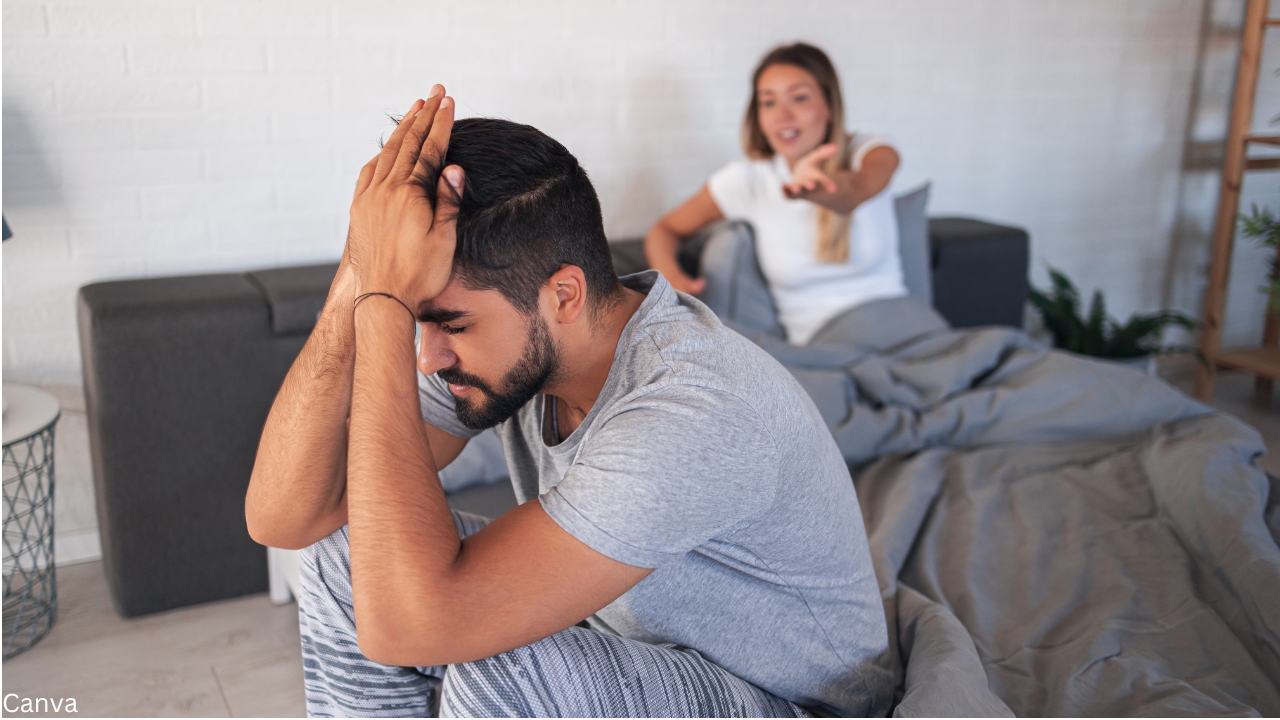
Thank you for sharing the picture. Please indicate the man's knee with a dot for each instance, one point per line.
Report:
(577, 672)
(497, 686)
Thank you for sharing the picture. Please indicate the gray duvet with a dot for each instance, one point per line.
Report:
(1053, 535)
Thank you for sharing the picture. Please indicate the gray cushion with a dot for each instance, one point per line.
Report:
(979, 271)
(913, 243)
(294, 295)
(628, 256)
(736, 289)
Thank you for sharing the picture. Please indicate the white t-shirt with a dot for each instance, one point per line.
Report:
(807, 292)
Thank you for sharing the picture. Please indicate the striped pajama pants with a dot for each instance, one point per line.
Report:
(575, 673)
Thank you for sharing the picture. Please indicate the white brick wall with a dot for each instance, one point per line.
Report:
(152, 138)
(158, 138)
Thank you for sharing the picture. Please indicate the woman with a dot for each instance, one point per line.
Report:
(817, 197)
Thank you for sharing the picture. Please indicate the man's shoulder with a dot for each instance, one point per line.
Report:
(683, 342)
(690, 354)
(680, 354)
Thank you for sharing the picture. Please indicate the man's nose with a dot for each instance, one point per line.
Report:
(434, 352)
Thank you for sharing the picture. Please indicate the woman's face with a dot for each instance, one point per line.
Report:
(792, 111)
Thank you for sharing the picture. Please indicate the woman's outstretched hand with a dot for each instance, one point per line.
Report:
(686, 284)
(808, 178)
(398, 243)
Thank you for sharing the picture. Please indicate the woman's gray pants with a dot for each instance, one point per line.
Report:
(575, 673)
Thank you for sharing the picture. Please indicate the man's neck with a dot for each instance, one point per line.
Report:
(587, 360)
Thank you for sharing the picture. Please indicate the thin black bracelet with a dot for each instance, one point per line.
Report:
(386, 295)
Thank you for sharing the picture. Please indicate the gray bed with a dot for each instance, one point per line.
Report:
(1054, 535)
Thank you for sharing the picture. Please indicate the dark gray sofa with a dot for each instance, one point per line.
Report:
(179, 374)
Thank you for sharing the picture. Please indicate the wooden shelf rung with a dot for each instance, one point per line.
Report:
(1264, 361)
(1263, 139)
(1270, 163)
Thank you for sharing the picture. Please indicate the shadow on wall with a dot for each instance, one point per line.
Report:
(30, 179)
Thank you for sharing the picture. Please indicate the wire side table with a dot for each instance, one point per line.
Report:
(30, 583)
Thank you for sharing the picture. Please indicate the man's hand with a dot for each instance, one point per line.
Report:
(808, 176)
(398, 243)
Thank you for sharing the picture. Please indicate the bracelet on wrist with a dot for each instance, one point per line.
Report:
(361, 297)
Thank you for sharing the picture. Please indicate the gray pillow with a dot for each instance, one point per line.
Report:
(913, 243)
(736, 289)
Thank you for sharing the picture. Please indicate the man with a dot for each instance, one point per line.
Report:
(680, 493)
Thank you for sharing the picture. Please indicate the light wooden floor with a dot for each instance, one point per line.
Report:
(241, 657)
(234, 658)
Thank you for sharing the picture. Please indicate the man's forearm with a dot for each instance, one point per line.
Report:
(297, 491)
(402, 534)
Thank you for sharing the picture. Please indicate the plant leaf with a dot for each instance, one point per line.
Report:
(1099, 334)
(1095, 338)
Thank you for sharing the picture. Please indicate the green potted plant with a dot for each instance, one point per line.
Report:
(1096, 334)
(1263, 227)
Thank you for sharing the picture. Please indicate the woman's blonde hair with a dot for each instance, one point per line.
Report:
(833, 227)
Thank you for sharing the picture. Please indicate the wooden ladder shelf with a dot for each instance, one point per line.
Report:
(1264, 361)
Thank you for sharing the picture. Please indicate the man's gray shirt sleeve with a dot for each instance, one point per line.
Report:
(674, 468)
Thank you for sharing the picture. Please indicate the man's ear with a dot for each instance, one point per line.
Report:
(565, 294)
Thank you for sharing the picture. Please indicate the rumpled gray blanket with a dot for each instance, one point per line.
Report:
(1053, 535)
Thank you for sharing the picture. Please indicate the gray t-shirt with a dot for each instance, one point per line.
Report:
(703, 458)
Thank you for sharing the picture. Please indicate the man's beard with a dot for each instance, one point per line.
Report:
(539, 363)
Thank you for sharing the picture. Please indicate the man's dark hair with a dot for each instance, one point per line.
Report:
(527, 210)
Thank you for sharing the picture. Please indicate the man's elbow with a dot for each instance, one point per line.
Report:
(259, 530)
(277, 522)
(276, 537)
(259, 523)
(266, 529)
(262, 532)
(381, 651)
(398, 645)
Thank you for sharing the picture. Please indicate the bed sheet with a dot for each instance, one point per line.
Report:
(1053, 535)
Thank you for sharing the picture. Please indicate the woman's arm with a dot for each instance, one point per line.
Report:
(664, 238)
(842, 191)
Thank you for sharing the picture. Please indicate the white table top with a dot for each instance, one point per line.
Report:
(27, 410)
